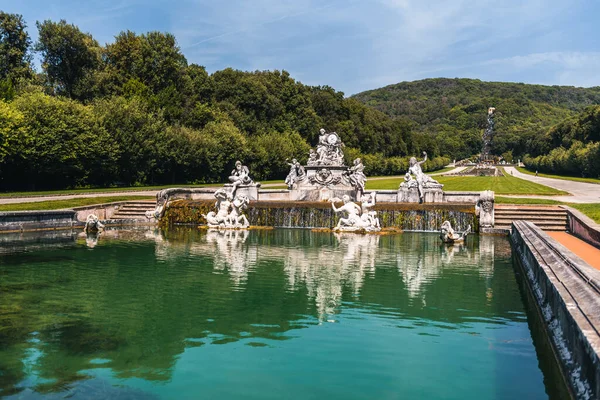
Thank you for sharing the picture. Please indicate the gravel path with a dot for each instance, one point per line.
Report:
(581, 192)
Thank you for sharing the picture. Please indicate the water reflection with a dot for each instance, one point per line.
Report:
(141, 298)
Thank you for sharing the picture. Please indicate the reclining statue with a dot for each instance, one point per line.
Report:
(358, 217)
(229, 211)
(448, 235)
(92, 224)
(422, 179)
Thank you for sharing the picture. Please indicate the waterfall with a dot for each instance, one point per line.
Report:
(408, 217)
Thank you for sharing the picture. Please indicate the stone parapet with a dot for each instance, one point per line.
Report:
(567, 292)
(36, 220)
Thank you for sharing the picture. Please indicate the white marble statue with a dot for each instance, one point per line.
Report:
(92, 224)
(448, 235)
(229, 211)
(357, 177)
(236, 218)
(368, 215)
(240, 176)
(409, 182)
(329, 150)
(357, 217)
(423, 180)
(296, 174)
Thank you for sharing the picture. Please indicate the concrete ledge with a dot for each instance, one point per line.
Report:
(582, 226)
(36, 220)
(567, 292)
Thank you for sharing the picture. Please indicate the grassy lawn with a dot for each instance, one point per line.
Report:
(112, 189)
(516, 200)
(591, 210)
(566, 178)
(68, 203)
(441, 171)
(501, 185)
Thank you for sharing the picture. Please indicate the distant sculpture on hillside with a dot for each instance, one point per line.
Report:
(240, 176)
(229, 211)
(423, 180)
(296, 174)
(357, 218)
(449, 236)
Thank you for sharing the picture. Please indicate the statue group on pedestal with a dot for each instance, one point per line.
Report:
(229, 212)
(329, 150)
(358, 217)
(421, 181)
(240, 176)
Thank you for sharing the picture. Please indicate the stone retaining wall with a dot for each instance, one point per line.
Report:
(567, 291)
(583, 227)
(37, 220)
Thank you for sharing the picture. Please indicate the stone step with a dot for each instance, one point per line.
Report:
(130, 212)
(120, 216)
(543, 227)
(530, 211)
(504, 215)
(528, 216)
(538, 222)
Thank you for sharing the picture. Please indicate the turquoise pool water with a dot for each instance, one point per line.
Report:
(268, 315)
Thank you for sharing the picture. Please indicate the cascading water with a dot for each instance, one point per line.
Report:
(320, 215)
(488, 136)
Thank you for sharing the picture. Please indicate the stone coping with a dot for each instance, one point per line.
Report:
(567, 291)
(583, 226)
(32, 213)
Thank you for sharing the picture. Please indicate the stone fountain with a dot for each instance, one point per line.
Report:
(312, 192)
(325, 176)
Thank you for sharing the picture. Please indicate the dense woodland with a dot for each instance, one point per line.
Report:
(553, 128)
(135, 112)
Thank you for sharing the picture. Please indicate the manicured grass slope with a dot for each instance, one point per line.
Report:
(591, 210)
(68, 203)
(500, 185)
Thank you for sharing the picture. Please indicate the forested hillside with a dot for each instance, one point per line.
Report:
(134, 111)
(452, 113)
(575, 146)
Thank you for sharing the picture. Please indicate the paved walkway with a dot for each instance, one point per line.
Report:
(34, 199)
(581, 192)
(583, 250)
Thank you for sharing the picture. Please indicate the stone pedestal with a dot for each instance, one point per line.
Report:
(408, 195)
(250, 191)
(322, 194)
(431, 194)
(485, 209)
(323, 183)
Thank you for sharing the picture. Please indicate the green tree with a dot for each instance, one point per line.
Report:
(15, 57)
(60, 144)
(69, 57)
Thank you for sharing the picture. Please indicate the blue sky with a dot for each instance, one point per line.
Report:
(355, 45)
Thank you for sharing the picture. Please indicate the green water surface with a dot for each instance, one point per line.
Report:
(280, 314)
